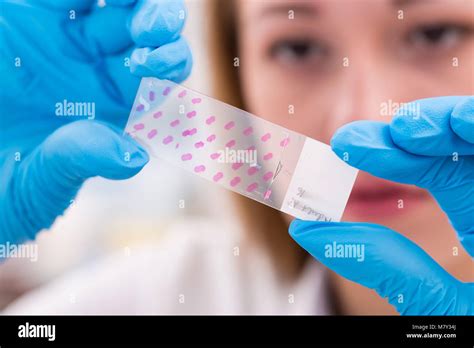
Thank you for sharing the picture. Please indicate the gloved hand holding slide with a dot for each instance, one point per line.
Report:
(246, 154)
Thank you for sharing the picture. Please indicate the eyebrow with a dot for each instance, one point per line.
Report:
(283, 9)
(408, 2)
(311, 9)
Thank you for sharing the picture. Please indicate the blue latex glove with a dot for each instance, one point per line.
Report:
(410, 151)
(74, 50)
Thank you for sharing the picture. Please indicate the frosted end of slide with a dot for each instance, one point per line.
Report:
(263, 161)
(320, 185)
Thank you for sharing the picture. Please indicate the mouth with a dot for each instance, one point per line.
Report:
(373, 198)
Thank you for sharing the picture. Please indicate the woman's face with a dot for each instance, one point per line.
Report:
(338, 61)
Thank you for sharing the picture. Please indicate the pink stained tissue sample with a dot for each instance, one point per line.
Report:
(216, 134)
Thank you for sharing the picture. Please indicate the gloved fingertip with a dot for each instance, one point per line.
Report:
(299, 227)
(186, 70)
(134, 156)
(462, 119)
(296, 226)
(340, 139)
(336, 137)
(340, 146)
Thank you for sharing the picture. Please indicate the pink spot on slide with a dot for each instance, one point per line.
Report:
(196, 100)
(268, 156)
(186, 157)
(140, 107)
(266, 137)
(199, 144)
(210, 120)
(167, 140)
(189, 132)
(177, 145)
(229, 125)
(267, 194)
(218, 176)
(211, 138)
(230, 143)
(139, 126)
(252, 187)
(248, 131)
(151, 96)
(191, 114)
(235, 181)
(166, 91)
(200, 168)
(215, 155)
(152, 133)
(236, 166)
(174, 123)
(157, 114)
(267, 176)
(284, 142)
(182, 94)
(251, 148)
(252, 170)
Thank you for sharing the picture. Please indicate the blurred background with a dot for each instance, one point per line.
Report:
(141, 207)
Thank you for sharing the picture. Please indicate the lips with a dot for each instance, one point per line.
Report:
(373, 198)
(378, 193)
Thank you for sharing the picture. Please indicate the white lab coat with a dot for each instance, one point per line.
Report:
(195, 269)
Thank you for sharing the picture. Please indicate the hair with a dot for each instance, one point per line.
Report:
(268, 227)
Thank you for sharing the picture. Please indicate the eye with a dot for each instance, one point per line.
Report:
(296, 50)
(437, 35)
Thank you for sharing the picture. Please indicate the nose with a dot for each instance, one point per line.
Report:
(368, 90)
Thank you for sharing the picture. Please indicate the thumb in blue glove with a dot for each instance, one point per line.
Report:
(47, 179)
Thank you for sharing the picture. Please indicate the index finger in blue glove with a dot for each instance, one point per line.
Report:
(389, 263)
(368, 145)
(103, 31)
(440, 126)
(170, 62)
(154, 23)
